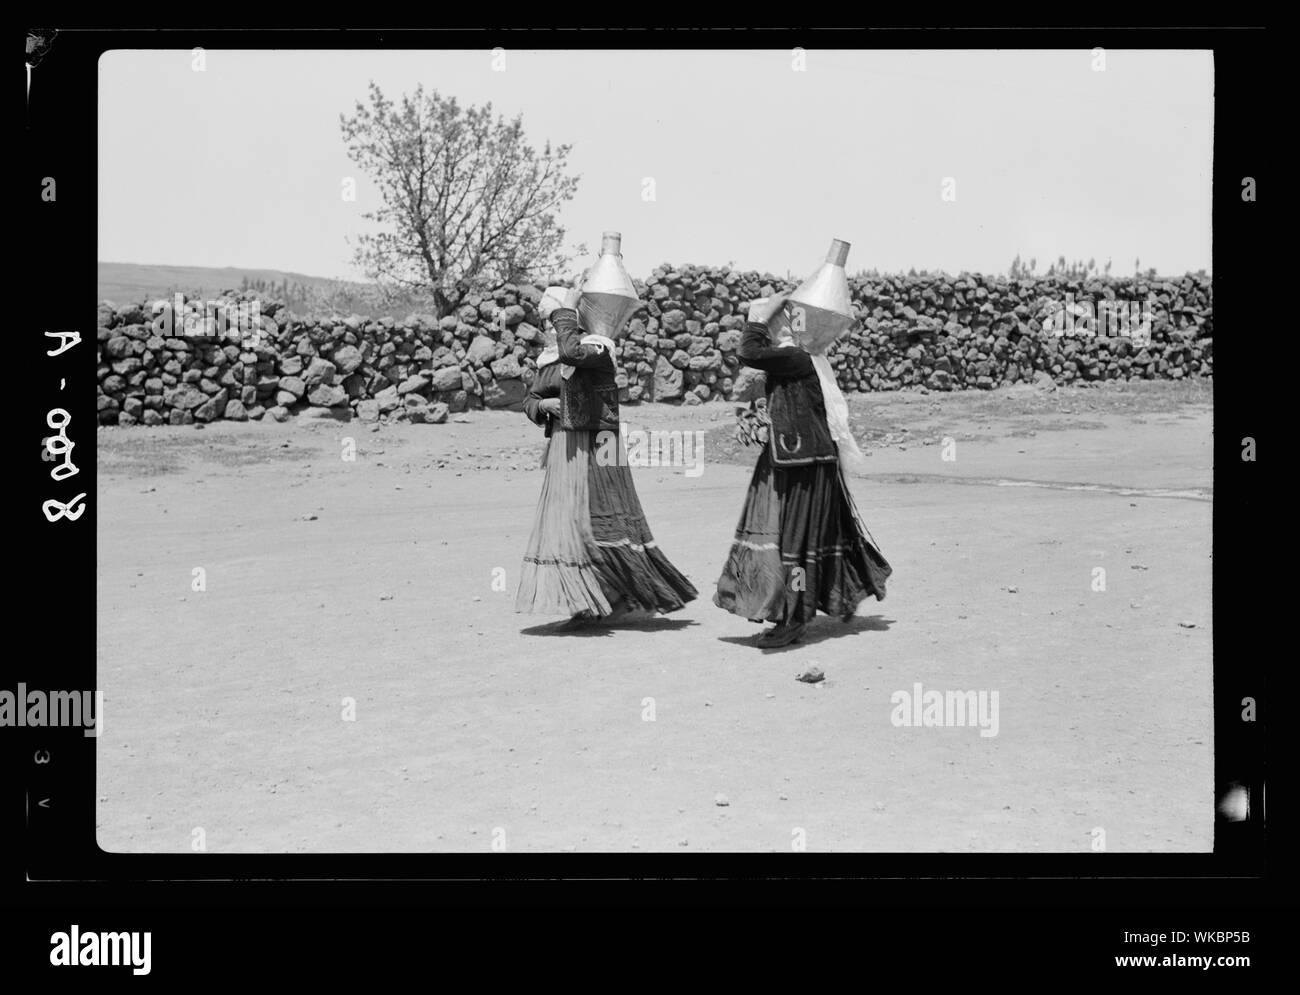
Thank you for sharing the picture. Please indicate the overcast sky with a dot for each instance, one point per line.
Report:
(753, 163)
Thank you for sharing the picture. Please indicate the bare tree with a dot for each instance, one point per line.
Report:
(468, 204)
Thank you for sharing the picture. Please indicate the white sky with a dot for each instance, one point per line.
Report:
(754, 163)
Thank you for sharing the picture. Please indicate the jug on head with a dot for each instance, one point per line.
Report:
(819, 310)
(608, 296)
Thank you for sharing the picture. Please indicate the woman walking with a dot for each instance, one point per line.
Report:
(559, 575)
(800, 546)
(591, 555)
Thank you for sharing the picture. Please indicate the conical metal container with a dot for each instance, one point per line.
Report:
(608, 295)
(820, 310)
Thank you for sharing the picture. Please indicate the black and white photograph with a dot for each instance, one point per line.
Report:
(617, 450)
(601, 455)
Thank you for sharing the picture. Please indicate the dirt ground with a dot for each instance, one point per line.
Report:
(378, 580)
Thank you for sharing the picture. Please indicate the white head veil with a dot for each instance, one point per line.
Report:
(837, 409)
(837, 417)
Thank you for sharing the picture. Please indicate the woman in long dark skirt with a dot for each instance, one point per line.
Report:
(800, 546)
(591, 554)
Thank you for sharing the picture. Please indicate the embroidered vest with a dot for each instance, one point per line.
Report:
(798, 434)
(589, 399)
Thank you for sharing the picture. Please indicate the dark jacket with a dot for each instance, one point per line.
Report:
(798, 434)
(589, 393)
(546, 383)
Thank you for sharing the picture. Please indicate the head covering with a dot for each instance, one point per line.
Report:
(837, 417)
(553, 296)
(819, 310)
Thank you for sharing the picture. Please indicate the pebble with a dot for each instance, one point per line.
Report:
(721, 800)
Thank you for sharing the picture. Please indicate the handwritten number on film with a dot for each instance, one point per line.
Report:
(60, 446)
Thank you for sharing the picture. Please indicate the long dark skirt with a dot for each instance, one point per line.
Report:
(591, 549)
(800, 548)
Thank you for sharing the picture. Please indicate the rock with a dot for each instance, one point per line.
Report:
(347, 359)
(721, 800)
(185, 396)
(748, 385)
(506, 369)
(446, 378)
(339, 412)
(668, 381)
(481, 351)
(212, 408)
(729, 341)
(810, 675)
(413, 385)
(318, 371)
(118, 348)
(235, 411)
(674, 321)
(505, 394)
(279, 413)
(129, 314)
(326, 396)
(293, 386)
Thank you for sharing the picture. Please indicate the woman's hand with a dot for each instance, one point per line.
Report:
(762, 310)
(549, 406)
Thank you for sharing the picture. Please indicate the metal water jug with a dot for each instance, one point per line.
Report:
(608, 295)
(819, 310)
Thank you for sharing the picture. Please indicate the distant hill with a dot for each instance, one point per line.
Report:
(123, 283)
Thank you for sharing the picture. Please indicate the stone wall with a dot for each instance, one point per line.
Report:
(243, 360)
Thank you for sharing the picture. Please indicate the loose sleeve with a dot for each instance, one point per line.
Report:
(755, 351)
(543, 386)
(568, 336)
(533, 402)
